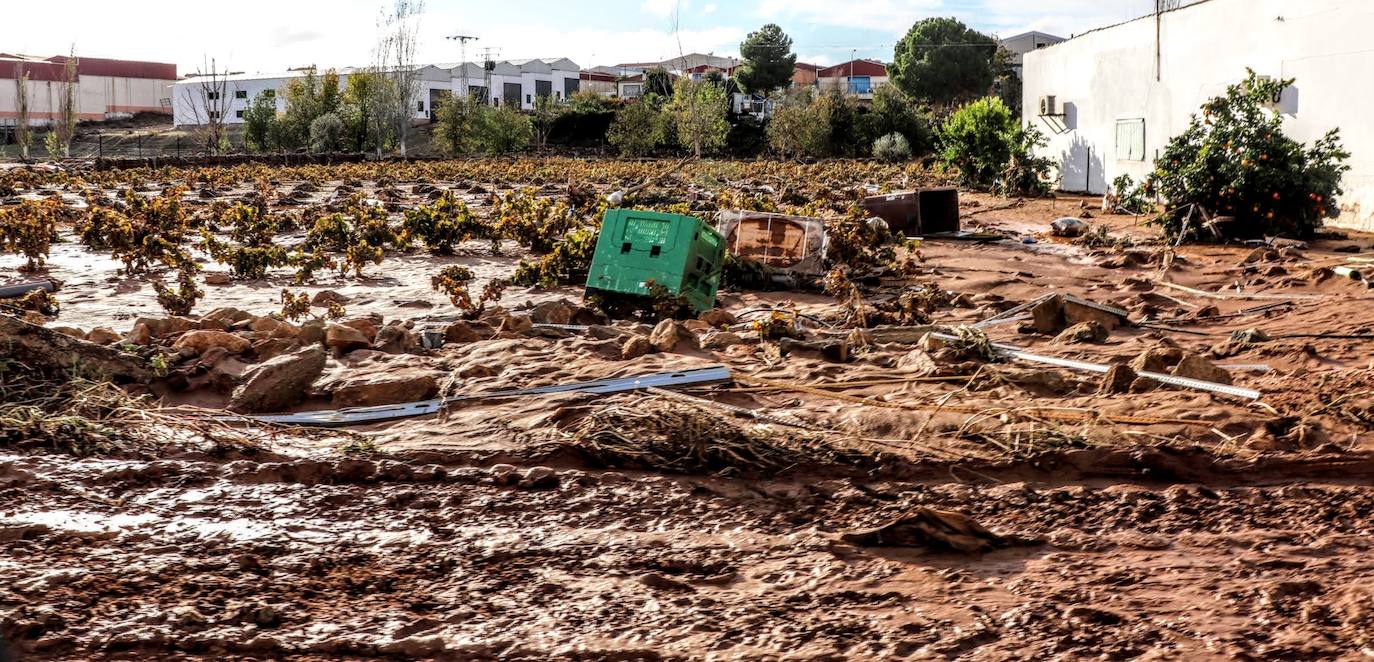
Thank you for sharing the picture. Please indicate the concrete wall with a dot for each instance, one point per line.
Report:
(1103, 77)
(98, 98)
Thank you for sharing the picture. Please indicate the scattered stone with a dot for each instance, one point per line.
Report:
(325, 297)
(836, 351)
(280, 382)
(219, 278)
(721, 340)
(223, 318)
(539, 478)
(553, 312)
(635, 347)
(460, 333)
(70, 332)
(101, 335)
(668, 334)
(717, 317)
(140, 335)
(203, 339)
(343, 339)
(274, 347)
(384, 389)
(1083, 332)
(1157, 359)
(918, 361)
(311, 331)
(366, 325)
(1118, 379)
(1068, 227)
(938, 530)
(272, 327)
(394, 339)
(1193, 366)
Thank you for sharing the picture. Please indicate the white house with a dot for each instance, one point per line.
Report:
(515, 83)
(1110, 100)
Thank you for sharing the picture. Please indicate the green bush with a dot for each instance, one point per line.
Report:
(894, 112)
(978, 139)
(1025, 173)
(260, 130)
(503, 130)
(1234, 160)
(638, 128)
(797, 128)
(892, 148)
(455, 120)
(326, 133)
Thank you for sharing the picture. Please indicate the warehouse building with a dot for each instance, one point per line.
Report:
(105, 88)
(512, 82)
(1111, 99)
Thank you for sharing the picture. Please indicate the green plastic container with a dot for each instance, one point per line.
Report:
(680, 253)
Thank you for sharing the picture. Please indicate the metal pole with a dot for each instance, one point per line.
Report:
(100, 145)
(140, 145)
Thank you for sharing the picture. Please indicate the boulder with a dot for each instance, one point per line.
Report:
(1068, 227)
(101, 335)
(1077, 313)
(1193, 366)
(311, 332)
(280, 382)
(1083, 332)
(553, 312)
(70, 332)
(325, 297)
(384, 388)
(717, 317)
(1118, 379)
(223, 318)
(1157, 359)
(635, 347)
(366, 325)
(200, 340)
(43, 349)
(140, 335)
(227, 374)
(721, 340)
(394, 339)
(271, 327)
(274, 347)
(669, 334)
(460, 333)
(343, 339)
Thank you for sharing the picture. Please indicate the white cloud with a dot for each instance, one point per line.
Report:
(820, 59)
(709, 8)
(663, 8)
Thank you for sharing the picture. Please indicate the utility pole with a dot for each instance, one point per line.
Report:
(489, 56)
(463, 40)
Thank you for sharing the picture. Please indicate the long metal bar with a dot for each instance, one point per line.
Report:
(365, 415)
(11, 291)
(1099, 368)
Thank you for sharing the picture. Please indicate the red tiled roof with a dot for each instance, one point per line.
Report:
(854, 68)
(53, 68)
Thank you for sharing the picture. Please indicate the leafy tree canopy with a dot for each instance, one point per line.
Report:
(768, 60)
(941, 60)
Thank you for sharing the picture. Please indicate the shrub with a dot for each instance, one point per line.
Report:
(183, 299)
(361, 233)
(326, 133)
(797, 128)
(638, 128)
(455, 119)
(568, 259)
(748, 137)
(1127, 198)
(978, 140)
(30, 230)
(1234, 160)
(1025, 173)
(698, 111)
(153, 231)
(894, 112)
(446, 222)
(260, 126)
(453, 281)
(503, 130)
(252, 249)
(892, 148)
(841, 115)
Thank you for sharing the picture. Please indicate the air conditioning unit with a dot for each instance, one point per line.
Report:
(1049, 106)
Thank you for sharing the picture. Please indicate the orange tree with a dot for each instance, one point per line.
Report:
(1234, 160)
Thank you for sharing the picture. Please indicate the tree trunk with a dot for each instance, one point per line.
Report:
(43, 350)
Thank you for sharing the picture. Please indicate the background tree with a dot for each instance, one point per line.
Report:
(260, 130)
(303, 104)
(23, 129)
(503, 130)
(396, 51)
(455, 119)
(658, 82)
(768, 60)
(892, 111)
(637, 129)
(941, 60)
(65, 128)
(544, 117)
(698, 110)
(797, 128)
(207, 104)
(326, 133)
(1006, 82)
(366, 100)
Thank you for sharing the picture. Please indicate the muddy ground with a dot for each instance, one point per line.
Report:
(1232, 530)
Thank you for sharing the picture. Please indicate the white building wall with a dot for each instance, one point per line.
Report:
(1109, 75)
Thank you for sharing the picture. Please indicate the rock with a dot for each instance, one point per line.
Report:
(343, 339)
(1193, 366)
(1068, 227)
(222, 318)
(39, 348)
(366, 325)
(1048, 315)
(918, 361)
(140, 335)
(1077, 313)
(70, 332)
(1118, 379)
(384, 388)
(717, 317)
(635, 347)
(272, 327)
(539, 478)
(937, 530)
(1083, 332)
(517, 324)
(280, 382)
(477, 371)
(460, 333)
(697, 327)
(203, 339)
(274, 347)
(311, 332)
(721, 340)
(553, 312)
(1157, 359)
(394, 339)
(102, 335)
(668, 334)
(325, 297)
(219, 278)
(227, 374)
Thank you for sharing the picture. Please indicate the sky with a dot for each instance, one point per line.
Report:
(264, 36)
